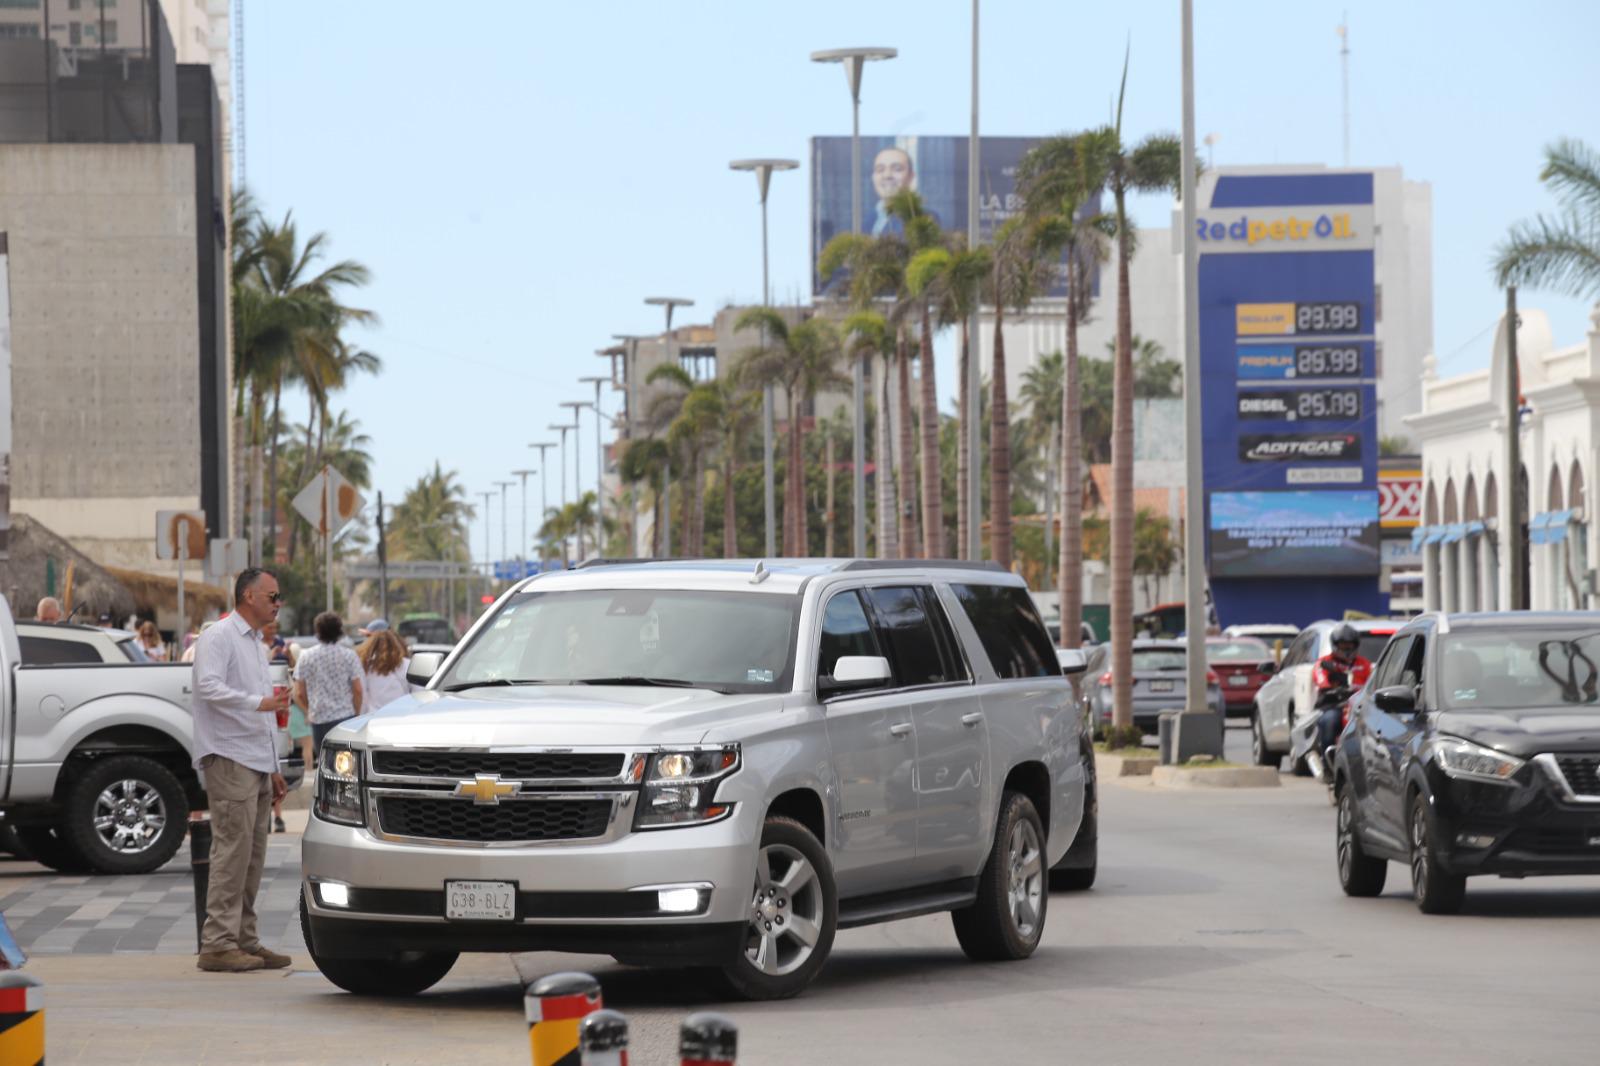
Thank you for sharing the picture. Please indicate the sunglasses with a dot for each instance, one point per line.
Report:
(274, 597)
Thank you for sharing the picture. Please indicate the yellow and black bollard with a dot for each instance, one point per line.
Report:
(603, 1039)
(21, 1019)
(555, 1005)
(708, 1039)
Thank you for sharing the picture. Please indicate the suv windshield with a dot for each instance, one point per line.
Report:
(1511, 668)
(728, 641)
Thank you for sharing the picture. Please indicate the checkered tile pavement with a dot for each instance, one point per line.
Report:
(54, 914)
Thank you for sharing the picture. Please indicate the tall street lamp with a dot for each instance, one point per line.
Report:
(630, 358)
(598, 380)
(522, 549)
(763, 168)
(564, 431)
(853, 60)
(667, 302)
(504, 508)
(488, 552)
(577, 460)
(544, 485)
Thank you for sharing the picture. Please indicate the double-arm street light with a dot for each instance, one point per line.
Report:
(522, 549)
(630, 359)
(667, 302)
(853, 60)
(577, 460)
(763, 168)
(565, 429)
(488, 552)
(544, 485)
(598, 380)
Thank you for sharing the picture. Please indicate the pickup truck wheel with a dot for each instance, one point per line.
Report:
(124, 815)
(45, 846)
(405, 974)
(1007, 919)
(793, 914)
(1260, 754)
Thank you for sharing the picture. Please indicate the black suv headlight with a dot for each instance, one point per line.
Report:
(680, 787)
(339, 786)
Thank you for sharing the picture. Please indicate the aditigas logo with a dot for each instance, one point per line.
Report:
(1270, 448)
(1324, 227)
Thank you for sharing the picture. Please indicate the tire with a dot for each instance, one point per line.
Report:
(141, 809)
(1007, 919)
(1435, 891)
(12, 844)
(45, 846)
(406, 974)
(794, 901)
(1260, 754)
(1359, 873)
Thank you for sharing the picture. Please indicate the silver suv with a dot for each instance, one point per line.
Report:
(709, 763)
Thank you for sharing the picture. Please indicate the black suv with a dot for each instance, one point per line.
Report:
(1474, 749)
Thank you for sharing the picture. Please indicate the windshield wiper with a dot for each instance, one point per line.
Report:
(654, 682)
(495, 682)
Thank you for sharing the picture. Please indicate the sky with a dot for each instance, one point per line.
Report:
(519, 177)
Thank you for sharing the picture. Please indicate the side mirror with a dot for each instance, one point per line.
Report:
(1268, 668)
(1396, 699)
(852, 673)
(1073, 660)
(423, 666)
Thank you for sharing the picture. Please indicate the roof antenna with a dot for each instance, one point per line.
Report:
(761, 573)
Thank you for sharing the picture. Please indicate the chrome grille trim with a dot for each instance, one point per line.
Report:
(1552, 766)
(632, 767)
(617, 824)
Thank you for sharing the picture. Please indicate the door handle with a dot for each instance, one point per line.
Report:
(900, 729)
(972, 719)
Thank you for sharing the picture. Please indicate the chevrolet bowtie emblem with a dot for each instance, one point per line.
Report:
(486, 790)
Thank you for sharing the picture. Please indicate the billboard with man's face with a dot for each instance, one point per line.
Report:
(935, 167)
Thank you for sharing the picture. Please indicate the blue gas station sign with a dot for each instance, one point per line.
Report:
(1288, 395)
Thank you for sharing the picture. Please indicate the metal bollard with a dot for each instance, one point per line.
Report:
(603, 1039)
(555, 1005)
(200, 863)
(708, 1039)
(21, 1019)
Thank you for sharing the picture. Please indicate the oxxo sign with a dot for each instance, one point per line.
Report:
(1287, 229)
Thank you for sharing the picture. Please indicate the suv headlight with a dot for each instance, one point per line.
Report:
(680, 787)
(339, 785)
(1462, 758)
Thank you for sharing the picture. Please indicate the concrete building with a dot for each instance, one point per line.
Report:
(1466, 491)
(112, 193)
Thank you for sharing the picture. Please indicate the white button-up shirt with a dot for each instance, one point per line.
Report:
(230, 680)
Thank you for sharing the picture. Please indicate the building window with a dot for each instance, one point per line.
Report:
(72, 5)
(14, 31)
(22, 5)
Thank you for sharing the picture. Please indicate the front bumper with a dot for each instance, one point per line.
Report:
(577, 896)
(1522, 829)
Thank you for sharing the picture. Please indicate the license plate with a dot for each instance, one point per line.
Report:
(482, 901)
(1161, 686)
(1239, 680)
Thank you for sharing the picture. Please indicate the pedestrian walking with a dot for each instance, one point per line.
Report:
(235, 748)
(327, 682)
(150, 642)
(383, 667)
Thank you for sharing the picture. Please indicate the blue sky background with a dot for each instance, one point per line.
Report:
(520, 176)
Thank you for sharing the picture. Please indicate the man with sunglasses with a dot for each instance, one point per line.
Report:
(235, 748)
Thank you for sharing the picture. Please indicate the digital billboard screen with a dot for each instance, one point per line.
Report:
(1321, 532)
(936, 167)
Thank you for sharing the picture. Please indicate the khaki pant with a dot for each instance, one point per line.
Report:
(241, 817)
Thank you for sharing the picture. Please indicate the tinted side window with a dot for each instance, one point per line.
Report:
(46, 651)
(1387, 672)
(845, 631)
(955, 665)
(912, 645)
(1411, 673)
(1010, 630)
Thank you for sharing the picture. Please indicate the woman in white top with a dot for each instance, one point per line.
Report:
(150, 642)
(384, 663)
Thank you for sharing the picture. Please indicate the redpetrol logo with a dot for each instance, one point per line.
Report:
(1278, 228)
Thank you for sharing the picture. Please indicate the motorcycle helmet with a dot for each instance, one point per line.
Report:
(1345, 634)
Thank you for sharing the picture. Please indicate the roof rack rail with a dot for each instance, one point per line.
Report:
(587, 563)
(923, 564)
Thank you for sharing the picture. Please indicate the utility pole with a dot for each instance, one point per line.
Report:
(383, 564)
(974, 408)
(544, 486)
(487, 551)
(1511, 535)
(522, 549)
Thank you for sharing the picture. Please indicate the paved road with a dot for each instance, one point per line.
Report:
(1216, 934)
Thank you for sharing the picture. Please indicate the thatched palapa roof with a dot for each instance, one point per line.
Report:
(22, 577)
(160, 592)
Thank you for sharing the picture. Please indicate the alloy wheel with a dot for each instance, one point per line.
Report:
(786, 914)
(1419, 850)
(129, 816)
(1345, 835)
(1024, 878)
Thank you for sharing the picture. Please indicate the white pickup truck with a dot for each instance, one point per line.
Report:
(95, 750)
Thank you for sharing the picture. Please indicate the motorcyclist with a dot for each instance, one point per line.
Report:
(1343, 668)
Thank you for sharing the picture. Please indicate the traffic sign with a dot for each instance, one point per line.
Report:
(329, 502)
(227, 556)
(181, 533)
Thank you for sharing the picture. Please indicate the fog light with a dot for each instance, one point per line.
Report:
(678, 900)
(1474, 840)
(333, 894)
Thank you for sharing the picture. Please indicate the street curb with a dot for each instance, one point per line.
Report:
(1116, 766)
(1184, 777)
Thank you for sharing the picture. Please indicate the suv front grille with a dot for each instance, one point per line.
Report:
(509, 822)
(1582, 773)
(511, 766)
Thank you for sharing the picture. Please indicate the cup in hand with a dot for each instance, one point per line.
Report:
(279, 672)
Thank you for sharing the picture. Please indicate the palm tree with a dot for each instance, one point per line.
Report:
(430, 522)
(1560, 252)
(731, 410)
(644, 461)
(1060, 178)
(660, 415)
(805, 358)
(867, 335)
(924, 236)
(681, 415)
(1043, 384)
(1152, 165)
